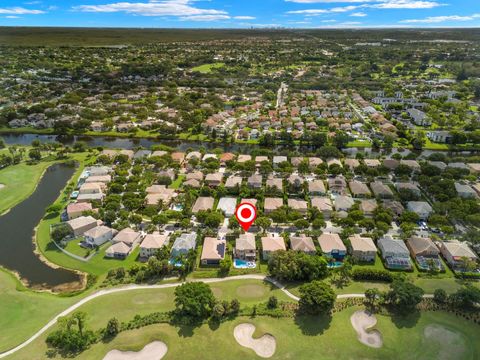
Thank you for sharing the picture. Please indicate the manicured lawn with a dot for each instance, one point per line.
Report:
(208, 68)
(74, 248)
(359, 144)
(22, 312)
(178, 181)
(20, 181)
(301, 338)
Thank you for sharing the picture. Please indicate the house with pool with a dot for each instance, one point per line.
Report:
(245, 252)
(333, 248)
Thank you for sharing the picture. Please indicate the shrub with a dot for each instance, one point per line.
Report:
(360, 274)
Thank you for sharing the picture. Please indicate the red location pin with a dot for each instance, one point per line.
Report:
(246, 214)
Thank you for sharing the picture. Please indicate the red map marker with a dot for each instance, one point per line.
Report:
(246, 214)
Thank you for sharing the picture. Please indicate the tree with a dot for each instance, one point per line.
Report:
(316, 297)
(272, 302)
(72, 337)
(440, 296)
(225, 265)
(466, 297)
(195, 300)
(296, 266)
(263, 222)
(218, 311)
(467, 264)
(404, 295)
(113, 327)
(60, 232)
(35, 154)
(372, 296)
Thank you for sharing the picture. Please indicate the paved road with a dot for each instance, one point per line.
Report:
(160, 286)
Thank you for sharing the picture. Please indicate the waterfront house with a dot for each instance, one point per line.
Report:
(82, 223)
(76, 210)
(98, 235)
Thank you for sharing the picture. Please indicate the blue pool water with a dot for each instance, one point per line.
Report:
(335, 264)
(176, 264)
(243, 264)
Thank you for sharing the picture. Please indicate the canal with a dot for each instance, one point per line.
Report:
(17, 229)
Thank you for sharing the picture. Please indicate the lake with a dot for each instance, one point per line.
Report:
(17, 229)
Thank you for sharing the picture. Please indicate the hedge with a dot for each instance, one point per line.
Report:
(372, 275)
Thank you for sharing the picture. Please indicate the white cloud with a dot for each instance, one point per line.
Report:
(20, 11)
(328, 21)
(205, 17)
(379, 4)
(440, 19)
(12, 17)
(324, 11)
(244, 17)
(152, 8)
(405, 4)
(358, 14)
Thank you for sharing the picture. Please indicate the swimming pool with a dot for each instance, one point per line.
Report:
(335, 264)
(243, 264)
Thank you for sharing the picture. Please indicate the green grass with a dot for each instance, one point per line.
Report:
(22, 312)
(359, 144)
(20, 181)
(74, 248)
(178, 181)
(208, 68)
(300, 338)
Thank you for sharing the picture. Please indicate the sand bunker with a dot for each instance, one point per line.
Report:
(154, 351)
(362, 322)
(1, 186)
(263, 347)
(449, 343)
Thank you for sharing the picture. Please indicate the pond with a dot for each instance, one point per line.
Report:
(17, 229)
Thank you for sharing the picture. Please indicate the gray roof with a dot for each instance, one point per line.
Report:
(185, 242)
(397, 247)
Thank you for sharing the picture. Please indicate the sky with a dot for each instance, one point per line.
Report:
(241, 13)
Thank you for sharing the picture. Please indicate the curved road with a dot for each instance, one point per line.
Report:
(160, 286)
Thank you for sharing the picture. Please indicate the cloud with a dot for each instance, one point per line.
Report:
(205, 17)
(324, 11)
(440, 19)
(405, 4)
(378, 4)
(358, 14)
(20, 11)
(181, 8)
(328, 21)
(12, 17)
(244, 17)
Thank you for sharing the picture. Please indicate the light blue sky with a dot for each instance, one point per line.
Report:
(241, 13)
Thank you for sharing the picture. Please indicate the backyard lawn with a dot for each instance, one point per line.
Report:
(300, 338)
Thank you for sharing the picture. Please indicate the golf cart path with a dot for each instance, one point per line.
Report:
(159, 286)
